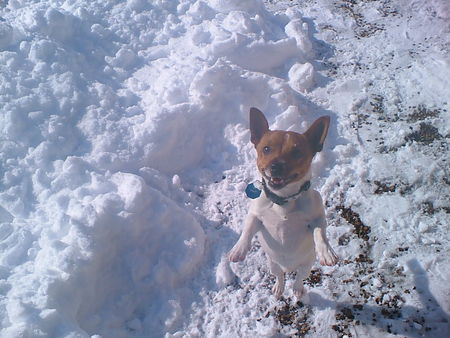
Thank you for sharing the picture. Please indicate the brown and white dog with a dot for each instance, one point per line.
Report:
(288, 217)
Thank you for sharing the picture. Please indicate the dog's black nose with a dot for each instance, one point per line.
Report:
(277, 168)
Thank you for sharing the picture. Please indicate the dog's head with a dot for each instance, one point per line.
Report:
(285, 157)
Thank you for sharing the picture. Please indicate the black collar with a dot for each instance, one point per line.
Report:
(283, 200)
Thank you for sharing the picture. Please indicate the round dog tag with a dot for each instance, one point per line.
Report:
(252, 192)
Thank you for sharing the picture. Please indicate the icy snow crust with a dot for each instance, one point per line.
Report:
(125, 152)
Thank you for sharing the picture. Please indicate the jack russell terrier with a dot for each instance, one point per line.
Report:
(287, 215)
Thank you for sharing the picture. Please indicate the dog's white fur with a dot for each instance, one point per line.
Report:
(291, 235)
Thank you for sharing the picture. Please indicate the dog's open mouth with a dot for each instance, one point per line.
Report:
(280, 182)
(276, 181)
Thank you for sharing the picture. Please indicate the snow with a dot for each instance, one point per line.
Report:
(125, 154)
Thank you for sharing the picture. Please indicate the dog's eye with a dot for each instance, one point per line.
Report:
(267, 150)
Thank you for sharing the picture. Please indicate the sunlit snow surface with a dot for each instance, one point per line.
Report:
(125, 152)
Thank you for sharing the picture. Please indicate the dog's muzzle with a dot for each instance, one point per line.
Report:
(277, 169)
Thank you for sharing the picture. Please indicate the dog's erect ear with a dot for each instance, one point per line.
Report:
(258, 125)
(317, 133)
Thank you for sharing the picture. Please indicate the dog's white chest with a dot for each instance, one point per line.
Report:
(284, 226)
(296, 212)
(286, 235)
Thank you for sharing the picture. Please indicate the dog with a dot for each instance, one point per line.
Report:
(288, 217)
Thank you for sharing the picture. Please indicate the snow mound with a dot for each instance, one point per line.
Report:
(104, 103)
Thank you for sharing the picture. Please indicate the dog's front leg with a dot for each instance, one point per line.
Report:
(324, 251)
(251, 227)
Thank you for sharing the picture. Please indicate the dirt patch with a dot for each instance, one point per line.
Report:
(294, 316)
(345, 313)
(426, 134)
(314, 278)
(421, 113)
(360, 229)
(429, 209)
(384, 187)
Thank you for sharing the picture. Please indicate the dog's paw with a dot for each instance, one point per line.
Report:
(299, 292)
(278, 289)
(327, 256)
(238, 252)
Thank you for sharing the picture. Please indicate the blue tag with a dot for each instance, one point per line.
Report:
(252, 192)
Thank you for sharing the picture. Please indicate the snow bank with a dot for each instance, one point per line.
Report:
(103, 103)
